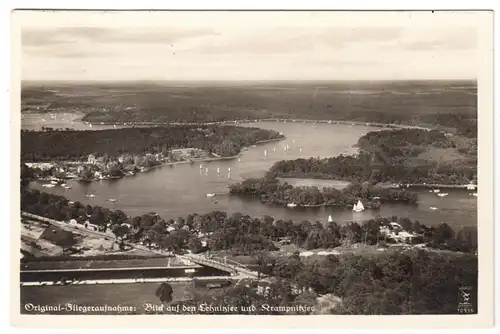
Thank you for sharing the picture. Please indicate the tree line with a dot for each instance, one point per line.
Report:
(387, 156)
(389, 283)
(238, 233)
(77, 145)
(273, 191)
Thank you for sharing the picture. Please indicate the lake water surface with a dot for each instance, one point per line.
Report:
(180, 190)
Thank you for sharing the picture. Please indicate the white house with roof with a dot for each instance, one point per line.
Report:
(91, 226)
(92, 159)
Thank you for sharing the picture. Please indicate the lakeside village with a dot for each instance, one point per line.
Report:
(105, 168)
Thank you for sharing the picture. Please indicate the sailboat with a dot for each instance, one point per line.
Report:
(358, 207)
(291, 205)
(218, 170)
(330, 219)
(265, 153)
(206, 170)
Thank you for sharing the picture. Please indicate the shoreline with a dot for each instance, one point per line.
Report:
(192, 161)
(284, 120)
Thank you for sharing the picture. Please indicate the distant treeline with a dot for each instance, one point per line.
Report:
(387, 156)
(447, 104)
(77, 145)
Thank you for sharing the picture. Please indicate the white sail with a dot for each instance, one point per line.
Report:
(218, 170)
(330, 219)
(358, 207)
(265, 153)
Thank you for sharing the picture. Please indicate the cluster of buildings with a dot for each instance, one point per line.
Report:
(395, 232)
(182, 154)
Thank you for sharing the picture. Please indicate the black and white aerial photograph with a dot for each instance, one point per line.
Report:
(252, 163)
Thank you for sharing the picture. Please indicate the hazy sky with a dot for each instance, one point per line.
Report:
(248, 46)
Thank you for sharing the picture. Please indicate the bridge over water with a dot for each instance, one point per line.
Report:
(191, 261)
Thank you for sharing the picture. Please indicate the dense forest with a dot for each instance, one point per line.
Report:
(77, 145)
(413, 103)
(272, 191)
(389, 156)
(238, 233)
(390, 283)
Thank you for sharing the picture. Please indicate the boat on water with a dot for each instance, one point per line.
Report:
(210, 195)
(90, 196)
(53, 182)
(433, 208)
(49, 185)
(291, 205)
(442, 194)
(112, 200)
(471, 186)
(474, 194)
(436, 190)
(67, 187)
(330, 219)
(218, 170)
(358, 207)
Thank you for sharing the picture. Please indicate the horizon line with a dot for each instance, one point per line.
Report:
(24, 81)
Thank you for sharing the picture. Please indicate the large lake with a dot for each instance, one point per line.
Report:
(180, 190)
